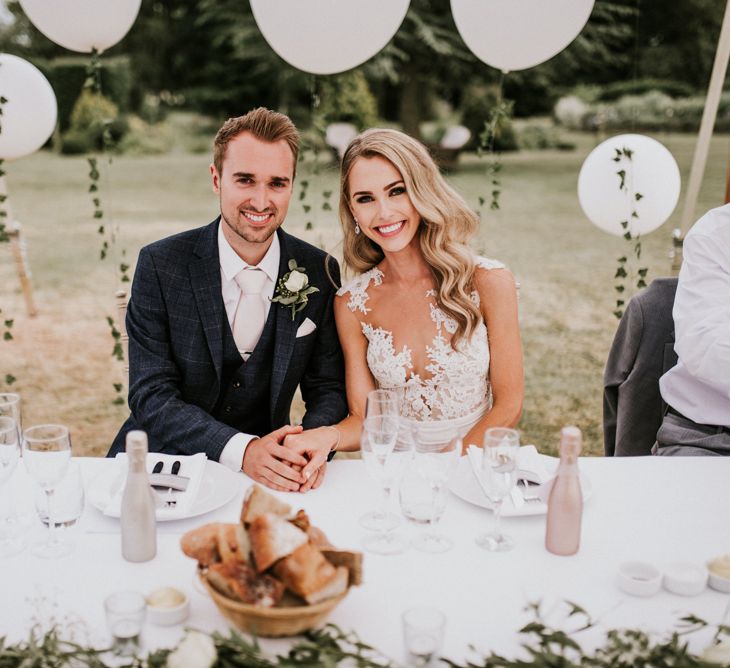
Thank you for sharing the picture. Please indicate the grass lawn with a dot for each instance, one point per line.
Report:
(62, 358)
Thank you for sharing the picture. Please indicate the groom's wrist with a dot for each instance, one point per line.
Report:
(235, 450)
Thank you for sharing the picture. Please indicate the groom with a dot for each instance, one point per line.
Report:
(214, 362)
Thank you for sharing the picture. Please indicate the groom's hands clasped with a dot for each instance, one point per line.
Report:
(269, 462)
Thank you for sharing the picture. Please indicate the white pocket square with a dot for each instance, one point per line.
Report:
(307, 327)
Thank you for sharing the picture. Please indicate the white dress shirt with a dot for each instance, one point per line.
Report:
(699, 385)
(231, 264)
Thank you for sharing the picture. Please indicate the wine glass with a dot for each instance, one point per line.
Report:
(9, 455)
(379, 436)
(435, 458)
(497, 477)
(46, 453)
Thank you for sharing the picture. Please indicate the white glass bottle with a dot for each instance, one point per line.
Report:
(139, 527)
(565, 503)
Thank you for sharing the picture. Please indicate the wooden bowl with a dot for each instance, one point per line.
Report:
(289, 619)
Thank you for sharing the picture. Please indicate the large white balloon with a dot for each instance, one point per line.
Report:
(652, 172)
(328, 36)
(29, 115)
(82, 25)
(517, 34)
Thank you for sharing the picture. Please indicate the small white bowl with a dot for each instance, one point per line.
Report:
(685, 578)
(719, 583)
(168, 615)
(639, 578)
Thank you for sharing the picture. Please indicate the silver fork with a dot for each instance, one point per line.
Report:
(530, 498)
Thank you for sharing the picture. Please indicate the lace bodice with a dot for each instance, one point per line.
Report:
(455, 382)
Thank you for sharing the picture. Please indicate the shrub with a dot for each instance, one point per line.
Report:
(147, 139)
(476, 109)
(542, 137)
(347, 98)
(614, 91)
(67, 76)
(654, 111)
(91, 116)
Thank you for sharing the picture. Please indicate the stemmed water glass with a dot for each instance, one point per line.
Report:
(9, 455)
(46, 453)
(497, 476)
(379, 436)
(386, 468)
(435, 459)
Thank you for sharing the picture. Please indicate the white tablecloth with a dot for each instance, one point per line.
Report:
(655, 509)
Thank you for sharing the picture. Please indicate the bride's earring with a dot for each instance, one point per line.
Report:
(357, 227)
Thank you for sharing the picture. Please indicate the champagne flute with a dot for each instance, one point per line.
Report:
(9, 455)
(385, 464)
(46, 453)
(435, 459)
(497, 477)
(380, 433)
(10, 407)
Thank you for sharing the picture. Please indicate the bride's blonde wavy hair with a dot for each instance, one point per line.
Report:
(447, 222)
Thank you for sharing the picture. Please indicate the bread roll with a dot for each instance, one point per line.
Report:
(202, 543)
(233, 544)
(257, 502)
(305, 570)
(273, 538)
(336, 586)
(241, 583)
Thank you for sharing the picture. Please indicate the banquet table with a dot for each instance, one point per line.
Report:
(655, 509)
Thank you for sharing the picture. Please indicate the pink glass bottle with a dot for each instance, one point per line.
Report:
(565, 503)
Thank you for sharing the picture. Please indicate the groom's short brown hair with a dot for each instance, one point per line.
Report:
(263, 124)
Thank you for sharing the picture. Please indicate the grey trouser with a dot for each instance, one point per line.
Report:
(681, 436)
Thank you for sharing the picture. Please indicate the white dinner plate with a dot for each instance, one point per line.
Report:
(218, 486)
(464, 485)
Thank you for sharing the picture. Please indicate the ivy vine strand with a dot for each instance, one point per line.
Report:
(624, 271)
(105, 229)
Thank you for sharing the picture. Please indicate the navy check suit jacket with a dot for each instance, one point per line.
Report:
(175, 322)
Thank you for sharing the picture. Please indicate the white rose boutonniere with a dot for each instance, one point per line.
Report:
(196, 650)
(293, 289)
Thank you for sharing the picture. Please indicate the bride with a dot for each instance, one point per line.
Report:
(424, 316)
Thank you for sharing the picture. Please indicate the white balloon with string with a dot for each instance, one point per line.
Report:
(82, 25)
(328, 36)
(29, 113)
(652, 172)
(518, 34)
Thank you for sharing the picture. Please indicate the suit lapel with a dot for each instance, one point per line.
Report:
(205, 279)
(285, 334)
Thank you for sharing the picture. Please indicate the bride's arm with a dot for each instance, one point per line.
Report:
(317, 443)
(498, 299)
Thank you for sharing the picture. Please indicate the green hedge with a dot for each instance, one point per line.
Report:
(67, 75)
(653, 111)
(618, 89)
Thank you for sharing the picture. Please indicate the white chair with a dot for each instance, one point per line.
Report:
(338, 137)
(456, 137)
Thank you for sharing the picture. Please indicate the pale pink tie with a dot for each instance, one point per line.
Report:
(248, 323)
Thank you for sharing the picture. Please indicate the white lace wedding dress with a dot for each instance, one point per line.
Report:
(452, 390)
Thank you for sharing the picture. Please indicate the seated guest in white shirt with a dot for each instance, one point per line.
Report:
(697, 389)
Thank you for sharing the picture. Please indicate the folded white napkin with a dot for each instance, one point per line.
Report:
(531, 466)
(191, 467)
(534, 467)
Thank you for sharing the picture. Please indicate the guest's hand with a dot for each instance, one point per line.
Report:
(267, 461)
(315, 445)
